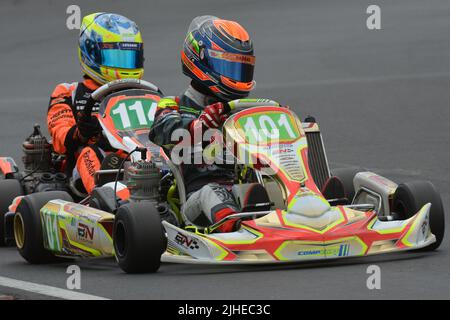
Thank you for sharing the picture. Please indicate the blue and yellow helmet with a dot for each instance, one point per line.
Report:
(110, 48)
(218, 54)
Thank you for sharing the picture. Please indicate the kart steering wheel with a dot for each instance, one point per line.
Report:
(117, 85)
(235, 106)
(238, 105)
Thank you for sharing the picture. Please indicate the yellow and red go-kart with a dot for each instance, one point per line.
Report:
(306, 217)
(300, 211)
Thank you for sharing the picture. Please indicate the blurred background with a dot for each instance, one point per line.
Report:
(367, 88)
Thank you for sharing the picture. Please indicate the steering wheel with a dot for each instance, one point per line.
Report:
(235, 106)
(116, 85)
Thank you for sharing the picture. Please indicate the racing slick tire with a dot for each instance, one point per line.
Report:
(28, 228)
(9, 190)
(410, 197)
(139, 238)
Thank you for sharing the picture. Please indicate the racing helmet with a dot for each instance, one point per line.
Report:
(110, 48)
(218, 54)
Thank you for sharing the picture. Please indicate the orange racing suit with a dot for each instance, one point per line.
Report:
(66, 104)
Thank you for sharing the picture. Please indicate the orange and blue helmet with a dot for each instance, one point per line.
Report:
(218, 54)
(110, 48)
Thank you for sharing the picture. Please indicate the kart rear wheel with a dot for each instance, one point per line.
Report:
(28, 228)
(139, 238)
(9, 190)
(410, 197)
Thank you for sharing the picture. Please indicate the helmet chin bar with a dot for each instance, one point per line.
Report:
(92, 75)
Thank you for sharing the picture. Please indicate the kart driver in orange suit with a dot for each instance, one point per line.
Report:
(110, 48)
(218, 56)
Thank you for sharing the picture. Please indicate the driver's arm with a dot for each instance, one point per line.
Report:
(61, 121)
(168, 119)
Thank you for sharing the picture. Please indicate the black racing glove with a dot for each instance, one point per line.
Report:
(88, 127)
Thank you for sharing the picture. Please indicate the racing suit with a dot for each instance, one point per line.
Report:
(83, 158)
(209, 198)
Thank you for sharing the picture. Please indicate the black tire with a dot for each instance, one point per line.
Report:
(139, 238)
(410, 197)
(9, 189)
(28, 227)
(345, 176)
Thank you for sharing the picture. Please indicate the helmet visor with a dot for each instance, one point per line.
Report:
(238, 67)
(123, 55)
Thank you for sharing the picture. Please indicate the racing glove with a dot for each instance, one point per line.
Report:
(213, 116)
(88, 127)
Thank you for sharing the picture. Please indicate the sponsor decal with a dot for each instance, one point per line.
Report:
(424, 227)
(89, 163)
(62, 114)
(80, 104)
(383, 181)
(82, 212)
(232, 57)
(185, 241)
(339, 251)
(120, 45)
(85, 232)
(51, 231)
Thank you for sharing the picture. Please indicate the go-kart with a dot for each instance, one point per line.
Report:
(300, 211)
(42, 236)
(305, 217)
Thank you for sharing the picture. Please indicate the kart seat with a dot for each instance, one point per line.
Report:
(252, 197)
(334, 190)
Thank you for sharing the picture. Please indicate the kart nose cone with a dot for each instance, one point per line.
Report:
(308, 204)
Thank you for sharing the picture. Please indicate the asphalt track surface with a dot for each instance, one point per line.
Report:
(382, 99)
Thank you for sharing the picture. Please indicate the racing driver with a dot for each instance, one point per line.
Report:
(218, 57)
(110, 47)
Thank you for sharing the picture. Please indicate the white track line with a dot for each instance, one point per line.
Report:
(47, 290)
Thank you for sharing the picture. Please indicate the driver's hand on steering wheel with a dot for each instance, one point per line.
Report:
(88, 127)
(214, 115)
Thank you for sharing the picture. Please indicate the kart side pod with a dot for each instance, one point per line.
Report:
(371, 188)
(76, 230)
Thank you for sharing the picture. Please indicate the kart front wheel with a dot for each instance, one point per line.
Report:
(410, 197)
(28, 227)
(139, 238)
(9, 190)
